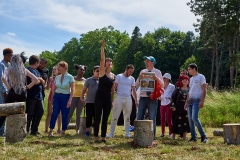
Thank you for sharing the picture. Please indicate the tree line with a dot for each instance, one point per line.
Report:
(215, 50)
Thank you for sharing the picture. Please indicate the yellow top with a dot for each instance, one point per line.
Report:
(78, 85)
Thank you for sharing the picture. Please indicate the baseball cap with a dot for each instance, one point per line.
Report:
(151, 58)
(167, 75)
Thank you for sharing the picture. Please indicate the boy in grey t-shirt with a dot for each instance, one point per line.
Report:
(196, 97)
(91, 86)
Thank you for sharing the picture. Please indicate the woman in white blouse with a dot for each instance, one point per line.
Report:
(165, 111)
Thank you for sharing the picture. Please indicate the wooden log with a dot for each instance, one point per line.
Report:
(218, 133)
(82, 129)
(12, 108)
(231, 133)
(71, 126)
(143, 133)
(16, 128)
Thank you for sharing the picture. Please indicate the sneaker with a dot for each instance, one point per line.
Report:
(110, 135)
(128, 135)
(131, 128)
(162, 135)
(171, 136)
(87, 134)
(204, 139)
(192, 140)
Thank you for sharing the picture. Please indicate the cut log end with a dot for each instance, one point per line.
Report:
(143, 133)
(231, 133)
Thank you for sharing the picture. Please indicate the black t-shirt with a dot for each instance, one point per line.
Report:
(37, 90)
(44, 73)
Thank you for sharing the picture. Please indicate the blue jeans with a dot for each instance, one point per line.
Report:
(147, 103)
(2, 129)
(60, 104)
(193, 111)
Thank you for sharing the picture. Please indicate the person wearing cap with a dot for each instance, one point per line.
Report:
(165, 111)
(145, 102)
(7, 55)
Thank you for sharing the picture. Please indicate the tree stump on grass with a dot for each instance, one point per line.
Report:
(218, 133)
(71, 126)
(143, 133)
(231, 133)
(16, 128)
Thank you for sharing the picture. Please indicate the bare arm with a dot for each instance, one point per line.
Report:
(102, 62)
(134, 94)
(82, 94)
(5, 83)
(114, 86)
(204, 91)
(49, 83)
(33, 78)
(71, 95)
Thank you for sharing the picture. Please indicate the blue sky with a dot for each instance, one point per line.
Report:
(37, 25)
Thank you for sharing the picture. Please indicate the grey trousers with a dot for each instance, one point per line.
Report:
(76, 103)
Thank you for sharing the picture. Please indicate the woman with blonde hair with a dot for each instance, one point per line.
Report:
(14, 79)
(63, 89)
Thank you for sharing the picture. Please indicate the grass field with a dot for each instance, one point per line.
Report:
(219, 108)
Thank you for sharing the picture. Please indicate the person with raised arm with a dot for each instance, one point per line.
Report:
(104, 95)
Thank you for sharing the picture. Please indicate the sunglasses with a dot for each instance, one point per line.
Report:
(97, 71)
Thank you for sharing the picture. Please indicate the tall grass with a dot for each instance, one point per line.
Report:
(220, 108)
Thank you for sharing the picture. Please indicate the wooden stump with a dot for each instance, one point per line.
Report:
(218, 133)
(71, 126)
(82, 129)
(16, 128)
(231, 133)
(143, 133)
(11, 108)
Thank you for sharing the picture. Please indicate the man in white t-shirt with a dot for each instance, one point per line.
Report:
(125, 85)
(196, 97)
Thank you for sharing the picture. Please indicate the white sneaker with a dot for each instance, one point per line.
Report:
(171, 136)
(128, 135)
(110, 135)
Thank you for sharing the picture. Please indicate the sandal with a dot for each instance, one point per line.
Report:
(50, 134)
(59, 132)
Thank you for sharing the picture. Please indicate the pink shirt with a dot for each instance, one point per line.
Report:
(51, 81)
(158, 75)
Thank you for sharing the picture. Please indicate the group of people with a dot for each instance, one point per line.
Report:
(180, 103)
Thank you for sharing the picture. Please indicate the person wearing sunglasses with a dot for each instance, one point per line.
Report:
(91, 86)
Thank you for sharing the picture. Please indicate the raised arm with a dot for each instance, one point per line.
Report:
(102, 62)
(33, 78)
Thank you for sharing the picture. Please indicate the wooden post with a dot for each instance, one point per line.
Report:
(11, 108)
(16, 128)
(143, 133)
(231, 133)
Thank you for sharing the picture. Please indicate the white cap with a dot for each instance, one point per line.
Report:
(167, 75)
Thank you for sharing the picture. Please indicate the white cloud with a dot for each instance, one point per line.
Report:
(11, 34)
(82, 16)
(18, 46)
